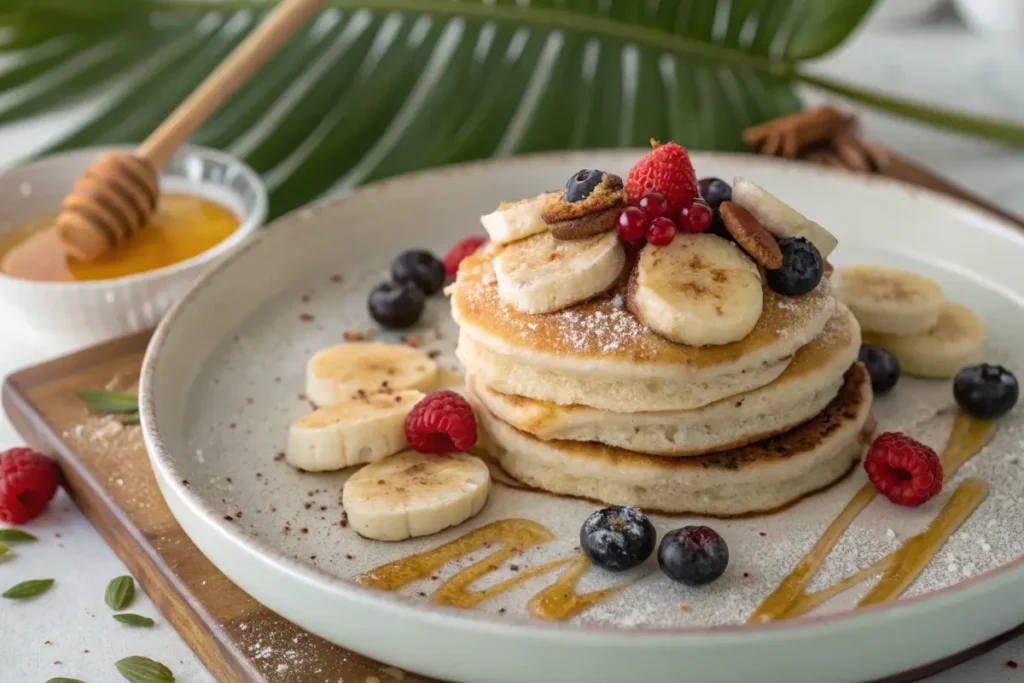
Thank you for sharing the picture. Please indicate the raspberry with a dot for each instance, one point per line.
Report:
(441, 423)
(903, 470)
(666, 171)
(28, 481)
(461, 250)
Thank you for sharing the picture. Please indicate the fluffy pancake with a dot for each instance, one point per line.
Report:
(806, 386)
(754, 478)
(597, 354)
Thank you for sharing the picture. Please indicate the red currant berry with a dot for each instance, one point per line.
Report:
(632, 224)
(661, 231)
(695, 217)
(653, 205)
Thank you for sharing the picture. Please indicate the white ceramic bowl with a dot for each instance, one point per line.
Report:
(79, 313)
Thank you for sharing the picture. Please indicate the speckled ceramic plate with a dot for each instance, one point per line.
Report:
(223, 380)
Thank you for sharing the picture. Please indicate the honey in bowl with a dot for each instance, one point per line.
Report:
(184, 225)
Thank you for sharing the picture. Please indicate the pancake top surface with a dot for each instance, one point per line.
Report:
(850, 405)
(603, 330)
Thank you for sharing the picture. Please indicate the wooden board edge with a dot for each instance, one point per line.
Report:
(188, 617)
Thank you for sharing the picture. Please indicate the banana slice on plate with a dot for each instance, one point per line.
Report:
(542, 274)
(956, 340)
(517, 220)
(355, 431)
(700, 290)
(781, 219)
(887, 300)
(411, 494)
(339, 372)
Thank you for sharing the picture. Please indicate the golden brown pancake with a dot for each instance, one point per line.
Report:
(754, 478)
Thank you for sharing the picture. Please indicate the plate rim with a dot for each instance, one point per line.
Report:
(164, 465)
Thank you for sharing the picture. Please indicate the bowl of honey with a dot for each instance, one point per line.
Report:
(209, 203)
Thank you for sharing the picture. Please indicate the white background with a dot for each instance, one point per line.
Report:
(939, 61)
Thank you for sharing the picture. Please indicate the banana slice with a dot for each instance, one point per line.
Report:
(516, 220)
(700, 290)
(542, 274)
(781, 219)
(889, 301)
(958, 339)
(411, 494)
(353, 432)
(339, 372)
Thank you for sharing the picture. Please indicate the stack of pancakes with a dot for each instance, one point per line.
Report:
(587, 401)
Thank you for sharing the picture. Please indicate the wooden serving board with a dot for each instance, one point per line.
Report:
(107, 471)
(238, 639)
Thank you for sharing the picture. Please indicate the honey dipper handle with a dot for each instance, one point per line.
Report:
(282, 23)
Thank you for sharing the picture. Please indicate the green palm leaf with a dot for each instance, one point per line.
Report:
(374, 88)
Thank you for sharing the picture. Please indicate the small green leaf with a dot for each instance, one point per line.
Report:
(119, 402)
(15, 536)
(28, 589)
(134, 619)
(120, 592)
(144, 670)
(130, 420)
(61, 679)
(4, 550)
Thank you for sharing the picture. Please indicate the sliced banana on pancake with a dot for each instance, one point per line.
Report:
(781, 219)
(700, 290)
(889, 301)
(956, 340)
(541, 274)
(411, 494)
(356, 431)
(517, 220)
(339, 372)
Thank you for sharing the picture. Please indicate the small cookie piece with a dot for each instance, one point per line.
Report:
(592, 215)
(751, 235)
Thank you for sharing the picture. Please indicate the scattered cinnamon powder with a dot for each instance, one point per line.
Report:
(306, 317)
(684, 608)
(413, 340)
(357, 335)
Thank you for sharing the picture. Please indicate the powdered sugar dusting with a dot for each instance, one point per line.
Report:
(604, 325)
(614, 529)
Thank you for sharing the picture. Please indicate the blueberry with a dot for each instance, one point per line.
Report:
(618, 538)
(693, 555)
(396, 304)
(714, 191)
(882, 366)
(985, 391)
(801, 269)
(582, 184)
(420, 268)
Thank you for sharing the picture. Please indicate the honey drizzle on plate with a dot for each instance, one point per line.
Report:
(558, 601)
(790, 598)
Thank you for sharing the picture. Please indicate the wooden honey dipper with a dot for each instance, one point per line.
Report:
(118, 193)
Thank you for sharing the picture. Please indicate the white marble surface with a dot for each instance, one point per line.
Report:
(938, 62)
